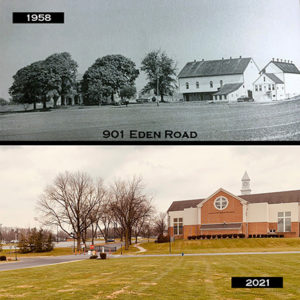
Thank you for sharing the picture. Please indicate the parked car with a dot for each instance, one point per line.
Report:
(245, 99)
(110, 240)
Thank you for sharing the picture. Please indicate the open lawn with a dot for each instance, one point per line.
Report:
(224, 245)
(154, 278)
(54, 252)
(233, 122)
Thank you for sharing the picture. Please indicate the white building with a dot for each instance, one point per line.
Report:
(268, 87)
(279, 79)
(223, 214)
(225, 79)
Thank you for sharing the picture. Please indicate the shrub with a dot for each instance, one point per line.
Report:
(163, 238)
(103, 255)
(219, 236)
(189, 237)
(2, 258)
(94, 256)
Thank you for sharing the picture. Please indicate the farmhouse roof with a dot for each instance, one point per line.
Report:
(271, 198)
(221, 226)
(214, 67)
(274, 78)
(228, 88)
(286, 67)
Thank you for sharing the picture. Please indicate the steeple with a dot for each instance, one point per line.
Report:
(245, 185)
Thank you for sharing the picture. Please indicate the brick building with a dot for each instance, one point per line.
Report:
(248, 214)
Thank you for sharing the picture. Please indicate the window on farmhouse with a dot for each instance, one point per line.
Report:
(197, 84)
(269, 87)
(187, 85)
(256, 88)
(178, 226)
(260, 88)
(273, 87)
(211, 84)
(284, 221)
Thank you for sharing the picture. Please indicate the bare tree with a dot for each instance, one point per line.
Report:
(69, 201)
(105, 218)
(129, 204)
(160, 224)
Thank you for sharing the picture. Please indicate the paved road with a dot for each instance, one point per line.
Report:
(212, 122)
(29, 262)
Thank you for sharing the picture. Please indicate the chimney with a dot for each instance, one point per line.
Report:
(194, 60)
(230, 57)
(277, 59)
(273, 59)
(202, 59)
(240, 56)
(222, 58)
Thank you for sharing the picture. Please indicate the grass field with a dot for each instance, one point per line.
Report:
(154, 278)
(222, 245)
(237, 121)
(54, 252)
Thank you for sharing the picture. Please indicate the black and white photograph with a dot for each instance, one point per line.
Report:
(150, 70)
(163, 71)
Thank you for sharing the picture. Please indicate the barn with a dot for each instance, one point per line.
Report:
(218, 80)
(223, 214)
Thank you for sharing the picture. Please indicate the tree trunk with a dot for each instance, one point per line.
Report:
(34, 105)
(129, 236)
(161, 97)
(62, 100)
(78, 243)
(44, 104)
(126, 239)
(112, 98)
(136, 237)
(55, 101)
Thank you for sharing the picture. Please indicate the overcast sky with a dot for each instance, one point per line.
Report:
(186, 30)
(170, 172)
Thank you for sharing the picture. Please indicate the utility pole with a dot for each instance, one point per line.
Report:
(157, 85)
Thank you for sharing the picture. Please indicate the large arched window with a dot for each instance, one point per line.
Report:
(187, 85)
(221, 203)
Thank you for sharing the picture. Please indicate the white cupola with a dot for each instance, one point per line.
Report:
(245, 185)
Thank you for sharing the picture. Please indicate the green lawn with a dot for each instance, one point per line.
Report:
(54, 252)
(154, 278)
(224, 245)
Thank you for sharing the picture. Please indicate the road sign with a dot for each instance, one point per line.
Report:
(92, 247)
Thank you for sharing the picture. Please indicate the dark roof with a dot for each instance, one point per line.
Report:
(181, 205)
(228, 88)
(274, 78)
(271, 198)
(214, 67)
(221, 226)
(286, 67)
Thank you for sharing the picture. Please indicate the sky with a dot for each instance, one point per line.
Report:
(186, 30)
(169, 173)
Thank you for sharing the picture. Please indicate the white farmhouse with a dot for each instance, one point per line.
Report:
(224, 79)
(268, 87)
(284, 78)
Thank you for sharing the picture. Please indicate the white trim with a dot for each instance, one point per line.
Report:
(221, 190)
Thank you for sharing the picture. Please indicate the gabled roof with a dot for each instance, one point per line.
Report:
(286, 67)
(274, 78)
(214, 67)
(271, 198)
(228, 88)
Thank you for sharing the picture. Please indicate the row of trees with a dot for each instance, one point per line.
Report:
(79, 205)
(55, 77)
(33, 240)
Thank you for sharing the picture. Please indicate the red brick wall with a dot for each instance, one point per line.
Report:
(258, 228)
(233, 213)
